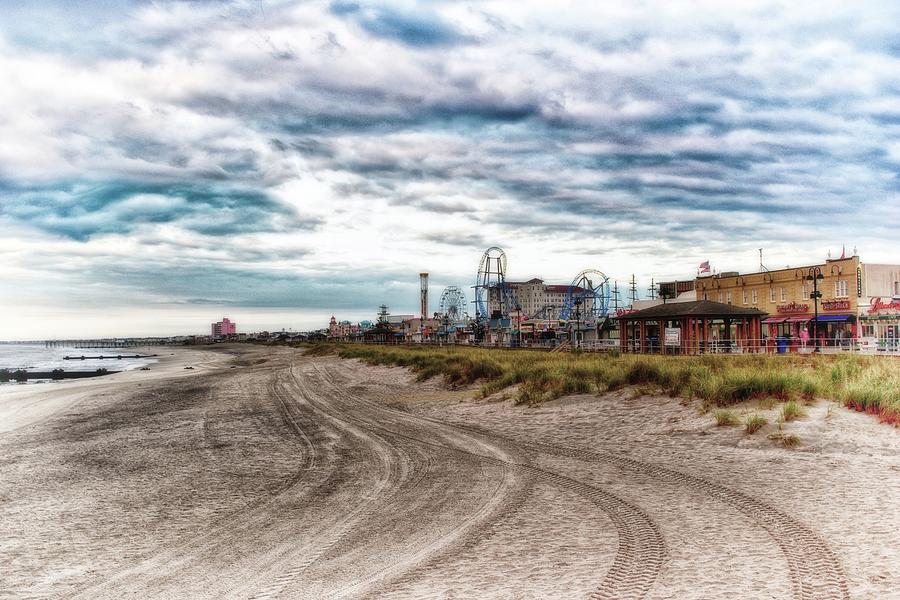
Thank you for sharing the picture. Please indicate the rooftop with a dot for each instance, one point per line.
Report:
(698, 308)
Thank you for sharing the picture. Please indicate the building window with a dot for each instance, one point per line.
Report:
(783, 295)
(744, 296)
(805, 292)
(868, 331)
(705, 296)
(720, 296)
(728, 298)
(897, 288)
(840, 288)
(771, 294)
(753, 296)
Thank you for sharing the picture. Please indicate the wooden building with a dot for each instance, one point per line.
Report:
(691, 328)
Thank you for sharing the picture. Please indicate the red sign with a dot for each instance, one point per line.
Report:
(835, 305)
(792, 308)
(877, 305)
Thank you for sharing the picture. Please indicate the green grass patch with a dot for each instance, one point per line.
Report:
(868, 384)
(788, 440)
(754, 423)
(790, 411)
(725, 418)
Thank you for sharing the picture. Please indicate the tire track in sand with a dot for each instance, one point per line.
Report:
(641, 550)
(815, 571)
(226, 529)
(495, 505)
(365, 509)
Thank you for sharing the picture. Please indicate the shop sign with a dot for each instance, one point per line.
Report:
(878, 304)
(673, 336)
(792, 308)
(835, 305)
(859, 282)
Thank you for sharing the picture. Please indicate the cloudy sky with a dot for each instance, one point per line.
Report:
(166, 163)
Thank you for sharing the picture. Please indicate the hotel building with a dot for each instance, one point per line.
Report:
(536, 299)
(223, 328)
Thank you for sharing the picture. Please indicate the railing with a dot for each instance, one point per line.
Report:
(652, 346)
(770, 346)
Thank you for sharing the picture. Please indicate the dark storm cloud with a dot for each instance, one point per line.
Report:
(249, 287)
(414, 27)
(458, 238)
(84, 210)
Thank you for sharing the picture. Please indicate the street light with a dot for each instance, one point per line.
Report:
(815, 275)
(577, 321)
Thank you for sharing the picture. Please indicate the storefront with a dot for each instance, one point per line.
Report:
(880, 325)
(796, 322)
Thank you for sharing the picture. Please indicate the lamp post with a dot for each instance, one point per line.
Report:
(577, 322)
(815, 275)
(518, 326)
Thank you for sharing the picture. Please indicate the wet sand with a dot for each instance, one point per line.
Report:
(294, 477)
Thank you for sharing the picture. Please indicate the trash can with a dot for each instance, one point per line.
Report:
(782, 344)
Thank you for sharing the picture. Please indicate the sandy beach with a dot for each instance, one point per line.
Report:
(262, 473)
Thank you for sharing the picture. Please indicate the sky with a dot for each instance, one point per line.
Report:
(164, 164)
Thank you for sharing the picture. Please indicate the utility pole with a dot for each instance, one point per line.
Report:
(632, 292)
(652, 289)
(615, 297)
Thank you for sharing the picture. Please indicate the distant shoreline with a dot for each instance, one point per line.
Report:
(22, 375)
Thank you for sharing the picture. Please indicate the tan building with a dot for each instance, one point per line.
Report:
(879, 308)
(785, 295)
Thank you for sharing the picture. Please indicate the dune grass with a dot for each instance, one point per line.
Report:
(725, 417)
(754, 423)
(870, 384)
(790, 411)
(788, 440)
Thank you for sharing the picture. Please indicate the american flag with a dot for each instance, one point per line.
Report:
(704, 266)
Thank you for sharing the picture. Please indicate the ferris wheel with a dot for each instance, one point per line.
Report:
(453, 303)
(490, 286)
(588, 297)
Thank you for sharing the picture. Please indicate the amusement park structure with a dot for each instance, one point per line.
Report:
(589, 294)
(423, 295)
(587, 302)
(453, 302)
(490, 284)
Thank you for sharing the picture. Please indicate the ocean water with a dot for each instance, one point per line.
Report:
(35, 357)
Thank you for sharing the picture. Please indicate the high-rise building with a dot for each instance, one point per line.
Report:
(224, 328)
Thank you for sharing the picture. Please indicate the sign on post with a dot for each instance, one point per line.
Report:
(673, 336)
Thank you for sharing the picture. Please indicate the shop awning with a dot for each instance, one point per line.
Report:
(773, 320)
(834, 317)
(800, 319)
